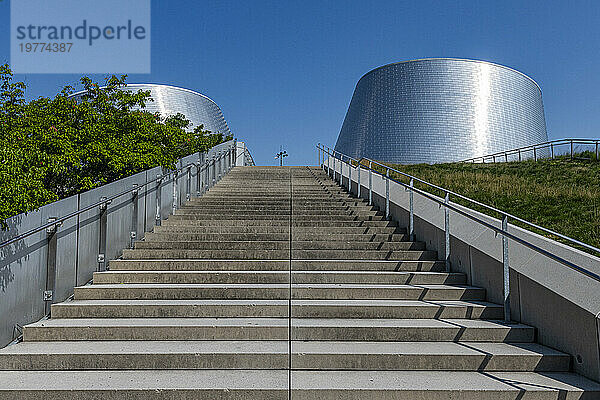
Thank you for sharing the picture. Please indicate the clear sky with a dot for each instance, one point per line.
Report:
(283, 72)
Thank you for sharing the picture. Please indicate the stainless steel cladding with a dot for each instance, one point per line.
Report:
(170, 100)
(441, 110)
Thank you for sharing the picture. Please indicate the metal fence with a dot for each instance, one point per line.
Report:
(45, 253)
(552, 149)
(333, 162)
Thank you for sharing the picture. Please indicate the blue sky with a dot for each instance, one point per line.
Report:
(283, 72)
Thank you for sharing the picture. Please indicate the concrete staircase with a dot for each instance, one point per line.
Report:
(199, 309)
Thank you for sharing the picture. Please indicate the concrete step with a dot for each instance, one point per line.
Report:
(284, 236)
(268, 254)
(269, 217)
(283, 206)
(279, 245)
(274, 222)
(281, 202)
(407, 356)
(280, 197)
(355, 277)
(281, 265)
(280, 213)
(403, 309)
(306, 385)
(298, 230)
(276, 291)
(400, 330)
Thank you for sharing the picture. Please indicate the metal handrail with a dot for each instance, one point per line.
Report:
(104, 201)
(540, 146)
(247, 153)
(488, 207)
(503, 230)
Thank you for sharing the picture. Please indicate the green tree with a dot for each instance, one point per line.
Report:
(52, 148)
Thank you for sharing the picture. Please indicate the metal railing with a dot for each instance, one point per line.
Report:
(539, 151)
(249, 156)
(336, 157)
(209, 168)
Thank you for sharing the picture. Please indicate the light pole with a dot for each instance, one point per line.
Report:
(280, 155)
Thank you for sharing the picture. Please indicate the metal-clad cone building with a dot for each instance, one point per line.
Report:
(170, 100)
(441, 110)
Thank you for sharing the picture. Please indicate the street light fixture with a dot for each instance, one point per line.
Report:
(280, 155)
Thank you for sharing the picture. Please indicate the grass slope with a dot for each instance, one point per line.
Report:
(561, 194)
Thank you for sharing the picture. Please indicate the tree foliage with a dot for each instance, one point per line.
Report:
(51, 148)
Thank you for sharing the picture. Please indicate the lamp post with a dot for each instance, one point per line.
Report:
(280, 155)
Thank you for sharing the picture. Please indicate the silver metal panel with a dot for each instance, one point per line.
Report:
(66, 246)
(441, 110)
(141, 204)
(89, 235)
(22, 274)
(120, 215)
(150, 195)
(166, 196)
(183, 178)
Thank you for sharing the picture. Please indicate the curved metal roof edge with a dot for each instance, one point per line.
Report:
(454, 59)
(162, 85)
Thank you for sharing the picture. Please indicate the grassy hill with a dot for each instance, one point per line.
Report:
(561, 194)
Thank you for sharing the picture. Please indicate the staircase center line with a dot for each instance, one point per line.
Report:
(290, 295)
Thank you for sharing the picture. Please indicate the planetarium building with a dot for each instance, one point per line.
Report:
(441, 110)
(170, 100)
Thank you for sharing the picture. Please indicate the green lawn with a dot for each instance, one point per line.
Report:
(562, 195)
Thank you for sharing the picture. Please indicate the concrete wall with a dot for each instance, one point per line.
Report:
(23, 265)
(561, 303)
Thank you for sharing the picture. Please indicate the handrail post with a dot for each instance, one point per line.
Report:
(534, 154)
(221, 156)
(333, 167)
(50, 265)
(552, 150)
(318, 156)
(199, 183)
(208, 182)
(370, 184)
(222, 165)
(505, 156)
(506, 270)
(134, 216)
(214, 171)
(350, 175)
(341, 172)
(571, 148)
(205, 175)
(387, 193)
(520, 155)
(358, 180)
(447, 232)
(102, 234)
(188, 189)
(411, 215)
(157, 216)
(174, 206)
(597, 154)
